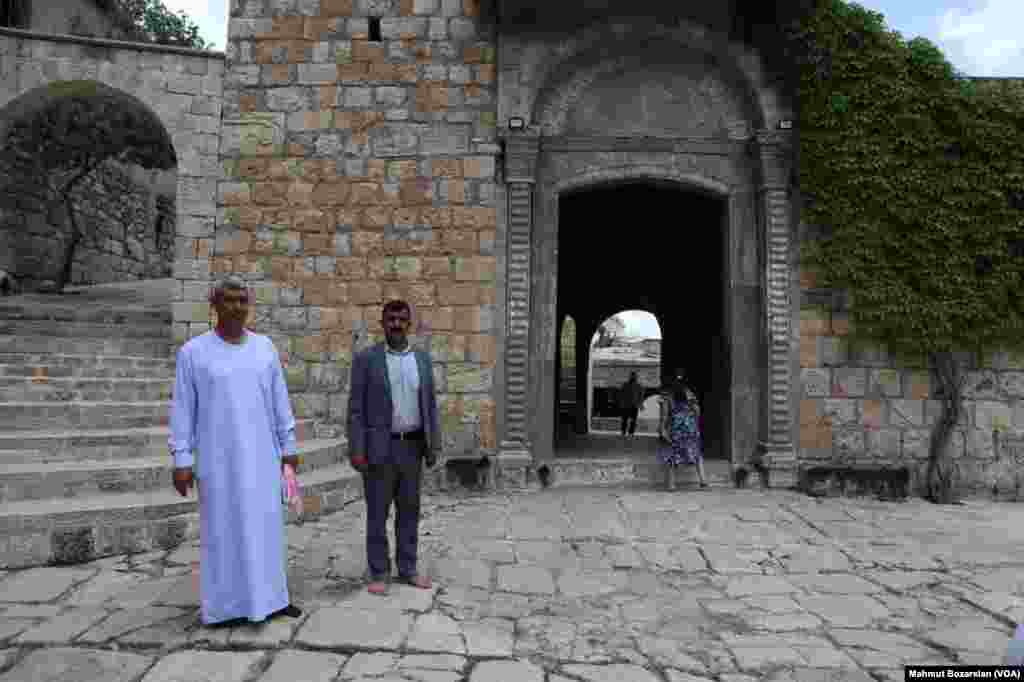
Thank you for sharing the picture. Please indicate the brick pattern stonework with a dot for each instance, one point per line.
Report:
(356, 171)
(861, 407)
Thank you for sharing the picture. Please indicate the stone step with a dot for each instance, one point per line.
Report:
(67, 531)
(45, 389)
(82, 415)
(58, 366)
(158, 331)
(114, 345)
(83, 479)
(67, 311)
(41, 447)
(635, 470)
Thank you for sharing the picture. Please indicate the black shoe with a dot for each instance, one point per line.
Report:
(291, 611)
(230, 623)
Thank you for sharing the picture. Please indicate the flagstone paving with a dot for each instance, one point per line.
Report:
(563, 585)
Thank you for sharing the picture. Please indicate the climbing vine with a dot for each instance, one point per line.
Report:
(915, 177)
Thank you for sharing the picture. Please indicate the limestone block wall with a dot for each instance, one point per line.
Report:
(860, 406)
(358, 171)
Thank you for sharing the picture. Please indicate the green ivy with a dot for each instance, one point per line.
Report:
(909, 169)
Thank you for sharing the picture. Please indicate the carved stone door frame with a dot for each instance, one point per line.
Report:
(524, 399)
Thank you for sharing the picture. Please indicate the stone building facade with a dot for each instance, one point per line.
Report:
(463, 159)
(418, 149)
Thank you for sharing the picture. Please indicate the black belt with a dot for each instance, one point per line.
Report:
(411, 435)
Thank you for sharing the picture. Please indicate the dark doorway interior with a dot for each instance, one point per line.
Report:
(655, 247)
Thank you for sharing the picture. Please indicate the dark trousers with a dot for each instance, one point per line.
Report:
(398, 483)
(629, 416)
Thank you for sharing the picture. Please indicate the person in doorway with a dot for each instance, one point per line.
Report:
(393, 428)
(680, 432)
(230, 404)
(631, 398)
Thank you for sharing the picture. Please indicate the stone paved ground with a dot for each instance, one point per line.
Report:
(589, 584)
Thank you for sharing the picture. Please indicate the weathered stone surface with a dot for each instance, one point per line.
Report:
(40, 584)
(436, 632)
(78, 665)
(489, 637)
(611, 673)
(525, 579)
(746, 585)
(123, 622)
(309, 666)
(228, 666)
(336, 626)
(499, 671)
(63, 628)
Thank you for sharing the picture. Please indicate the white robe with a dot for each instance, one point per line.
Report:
(231, 405)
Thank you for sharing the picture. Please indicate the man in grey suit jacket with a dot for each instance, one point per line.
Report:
(392, 425)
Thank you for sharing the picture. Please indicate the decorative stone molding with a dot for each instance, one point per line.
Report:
(775, 149)
(520, 176)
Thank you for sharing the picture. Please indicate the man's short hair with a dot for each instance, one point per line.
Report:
(396, 306)
(229, 283)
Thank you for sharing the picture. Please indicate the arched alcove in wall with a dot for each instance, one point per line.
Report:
(88, 179)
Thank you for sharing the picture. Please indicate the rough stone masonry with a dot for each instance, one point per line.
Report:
(359, 170)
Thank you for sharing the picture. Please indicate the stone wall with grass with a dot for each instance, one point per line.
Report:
(862, 408)
(358, 148)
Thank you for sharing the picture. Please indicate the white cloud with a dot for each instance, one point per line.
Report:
(209, 15)
(984, 40)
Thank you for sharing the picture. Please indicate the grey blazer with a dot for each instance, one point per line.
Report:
(370, 409)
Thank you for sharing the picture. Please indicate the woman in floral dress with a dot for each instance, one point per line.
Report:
(680, 432)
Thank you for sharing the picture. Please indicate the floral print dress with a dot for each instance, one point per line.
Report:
(684, 432)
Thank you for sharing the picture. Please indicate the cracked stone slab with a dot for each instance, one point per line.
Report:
(340, 626)
(123, 622)
(835, 583)
(617, 672)
(903, 581)
(489, 637)
(436, 632)
(505, 671)
(78, 665)
(730, 560)
(64, 627)
(307, 666)
(874, 649)
(270, 634)
(525, 580)
(167, 634)
(222, 666)
(747, 585)
(669, 652)
(104, 587)
(469, 572)
(399, 598)
(681, 676)
(40, 584)
(845, 611)
(573, 583)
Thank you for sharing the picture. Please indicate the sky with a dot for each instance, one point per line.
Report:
(979, 37)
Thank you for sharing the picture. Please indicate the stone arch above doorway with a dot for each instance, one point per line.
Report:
(551, 70)
(649, 173)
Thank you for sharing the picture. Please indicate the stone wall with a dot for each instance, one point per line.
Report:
(128, 232)
(358, 171)
(861, 407)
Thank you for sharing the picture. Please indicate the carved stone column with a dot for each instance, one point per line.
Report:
(515, 454)
(776, 149)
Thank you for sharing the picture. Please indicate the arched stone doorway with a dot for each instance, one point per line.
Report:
(642, 241)
(629, 104)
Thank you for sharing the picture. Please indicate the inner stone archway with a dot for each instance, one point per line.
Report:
(652, 245)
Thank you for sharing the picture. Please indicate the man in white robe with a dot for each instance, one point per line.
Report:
(231, 405)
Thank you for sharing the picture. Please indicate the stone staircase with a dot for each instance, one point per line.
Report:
(85, 379)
